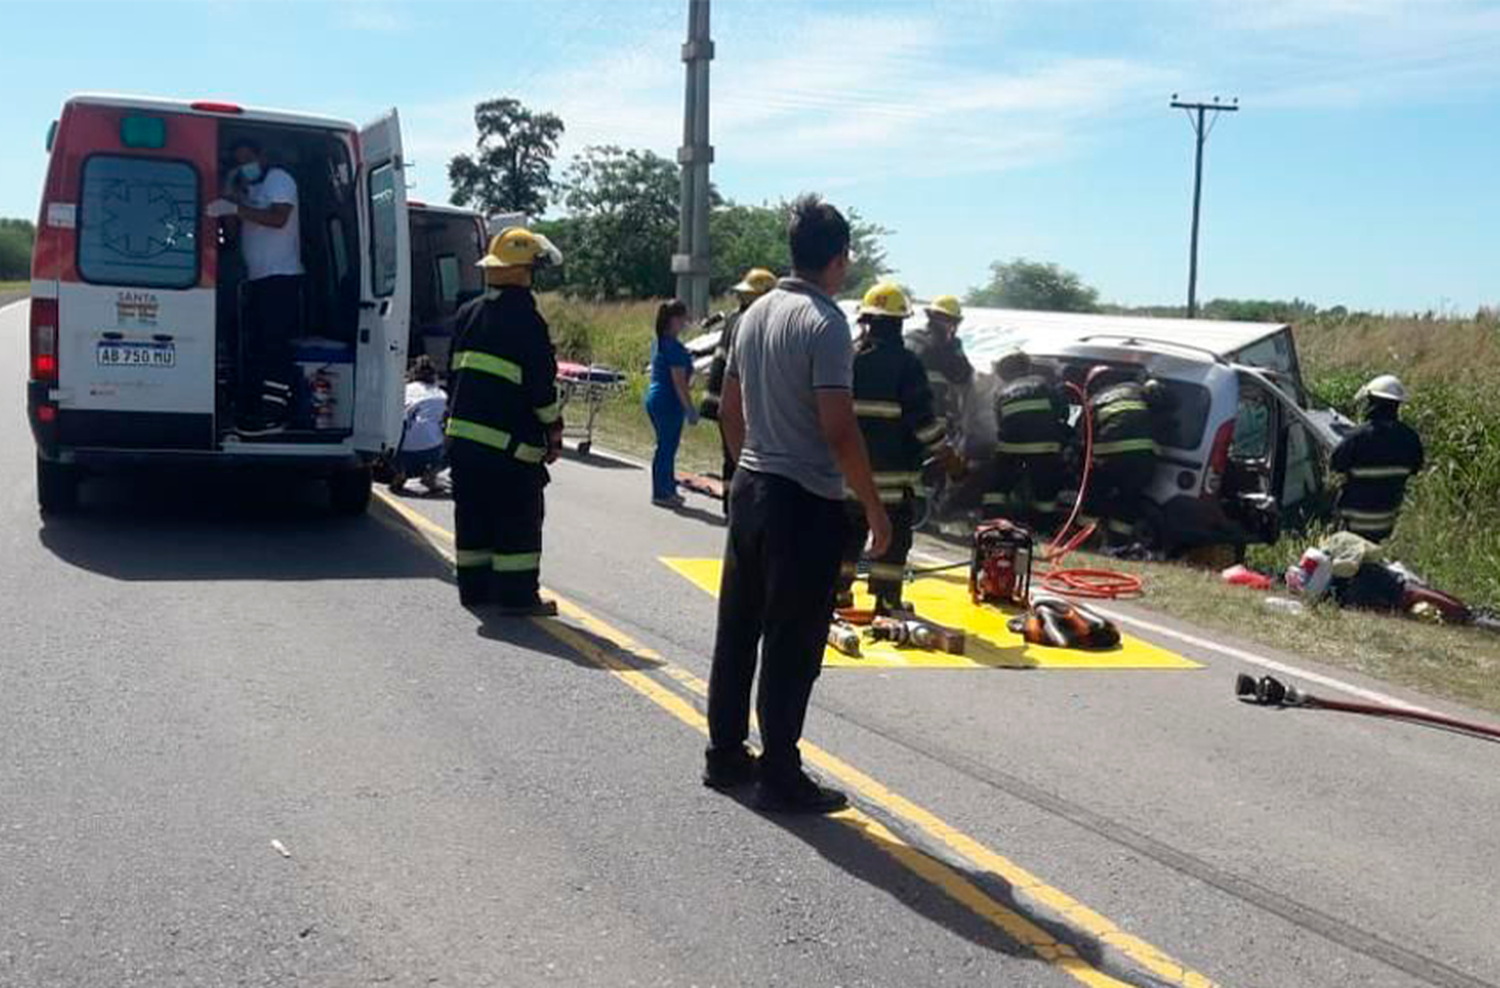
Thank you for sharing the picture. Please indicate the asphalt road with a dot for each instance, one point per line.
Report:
(242, 742)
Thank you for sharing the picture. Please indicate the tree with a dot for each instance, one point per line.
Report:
(621, 227)
(1023, 284)
(16, 238)
(866, 241)
(511, 168)
(745, 237)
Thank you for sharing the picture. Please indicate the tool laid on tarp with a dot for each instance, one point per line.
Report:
(912, 633)
(845, 638)
(1268, 691)
(591, 384)
(1061, 623)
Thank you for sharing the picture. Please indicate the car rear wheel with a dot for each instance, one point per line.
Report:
(349, 491)
(56, 487)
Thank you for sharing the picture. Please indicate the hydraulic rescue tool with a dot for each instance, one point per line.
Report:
(1268, 691)
(919, 634)
(845, 638)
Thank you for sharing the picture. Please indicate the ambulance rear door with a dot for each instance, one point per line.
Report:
(385, 299)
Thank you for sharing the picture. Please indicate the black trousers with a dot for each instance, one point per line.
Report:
(781, 559)
(887, 571)
(273, 318)
(498, 507)
(1117, 491)
(1030, 482)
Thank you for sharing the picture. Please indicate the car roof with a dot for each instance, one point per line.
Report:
(247, 113)
(988, 333)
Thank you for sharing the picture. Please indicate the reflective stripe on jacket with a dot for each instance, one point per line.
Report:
(894, 403)
(1122, 421)
(504, 376)
(1031, 416)
(1376, 460)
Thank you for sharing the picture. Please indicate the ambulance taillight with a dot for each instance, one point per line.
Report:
(44, 340)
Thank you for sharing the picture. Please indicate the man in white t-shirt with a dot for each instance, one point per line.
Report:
(271, 245)
(422, 440)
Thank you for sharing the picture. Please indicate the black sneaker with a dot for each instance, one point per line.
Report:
(801, 795)
(730, 771)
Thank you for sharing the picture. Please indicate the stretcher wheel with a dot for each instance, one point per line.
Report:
(584, 447)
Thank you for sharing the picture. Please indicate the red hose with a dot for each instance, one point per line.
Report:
(1089, 584)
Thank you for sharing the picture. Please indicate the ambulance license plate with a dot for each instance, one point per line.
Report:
(137, 355)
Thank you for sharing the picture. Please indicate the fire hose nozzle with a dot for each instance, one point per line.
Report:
(1268, 691)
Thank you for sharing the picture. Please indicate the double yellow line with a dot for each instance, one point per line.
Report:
(1013, 924)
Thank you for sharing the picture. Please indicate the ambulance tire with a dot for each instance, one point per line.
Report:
(349, 491)
(56, 487)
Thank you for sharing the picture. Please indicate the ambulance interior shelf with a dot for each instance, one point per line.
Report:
(329, 318)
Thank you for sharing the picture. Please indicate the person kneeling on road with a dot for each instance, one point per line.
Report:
(893, 402)
(421, 450)
(788, 414)
(504, 427)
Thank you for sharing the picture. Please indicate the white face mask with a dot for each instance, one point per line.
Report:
(251, 171)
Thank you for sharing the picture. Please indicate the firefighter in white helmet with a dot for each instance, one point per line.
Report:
(504, 427)
(1376, 460)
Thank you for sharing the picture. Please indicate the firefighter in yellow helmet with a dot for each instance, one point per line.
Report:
(942, 354)
(893, 403)
(755, 283)
(504, 427)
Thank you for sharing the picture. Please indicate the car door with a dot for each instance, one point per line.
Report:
(385, 300)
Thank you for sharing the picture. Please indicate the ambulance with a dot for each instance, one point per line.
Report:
(138, 335)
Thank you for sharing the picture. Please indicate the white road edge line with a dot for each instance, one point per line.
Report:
(11, 305)
(1230, 651)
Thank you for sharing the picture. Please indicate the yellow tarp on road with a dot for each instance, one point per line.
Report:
(944, 598)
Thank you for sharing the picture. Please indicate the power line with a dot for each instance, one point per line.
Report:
(1202, 117)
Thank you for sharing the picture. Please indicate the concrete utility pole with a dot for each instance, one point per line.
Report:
(1196, 113)
(691, 262)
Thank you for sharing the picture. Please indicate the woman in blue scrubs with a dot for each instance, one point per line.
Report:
(669, 401)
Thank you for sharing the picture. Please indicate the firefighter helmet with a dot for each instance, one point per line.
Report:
(518, 247)
(1386, 387)
(946, 305)
(885, 299)
(757, 282)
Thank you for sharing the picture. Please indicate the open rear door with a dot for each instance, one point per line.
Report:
(385, 300)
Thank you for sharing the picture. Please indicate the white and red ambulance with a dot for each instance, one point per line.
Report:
(138, 334)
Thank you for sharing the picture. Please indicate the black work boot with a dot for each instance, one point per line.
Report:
(798, 794)
(730, 769)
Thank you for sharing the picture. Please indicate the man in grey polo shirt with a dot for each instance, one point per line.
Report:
(787, 413)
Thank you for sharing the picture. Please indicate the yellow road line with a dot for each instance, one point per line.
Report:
(1016, 926)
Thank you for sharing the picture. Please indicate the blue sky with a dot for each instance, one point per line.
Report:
(1363, 168)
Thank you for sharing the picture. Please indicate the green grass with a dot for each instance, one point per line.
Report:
(619, 335)
(15, 287)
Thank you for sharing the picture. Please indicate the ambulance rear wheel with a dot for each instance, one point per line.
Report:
(56, 487)
(349, 491)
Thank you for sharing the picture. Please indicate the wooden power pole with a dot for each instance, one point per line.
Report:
(1202, 124)
(691, 262)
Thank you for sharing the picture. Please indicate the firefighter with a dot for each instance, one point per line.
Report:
(894, 404)
(1031, 416)
(504, 427)
(1124, 453)
(937, 345)
(1376, 459)
(757, 282)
